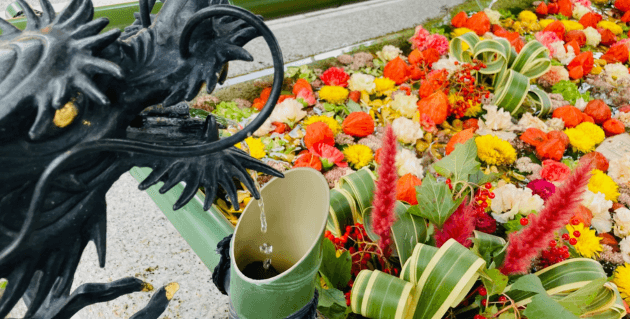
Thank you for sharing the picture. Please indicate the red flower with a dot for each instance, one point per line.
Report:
(616, 53)
(397, 70)
(406, 188)
(623, 5)
(581, 64)
(556, 27)
(542, 9)
(308, 160)
(300, 85)
(626, 17)
(533, 136)
(383, 216)
(355, 96)
(329, 155)
(578, 36)
(335, 77)
(479, 23)
(608, 38)
(613, 127)
(459, 20)
(565, 8)
(281, 127)
(551, 149)
(552, 8)
(598, 110)
(625, 108)
(554, 171)
(358, 124)
(485, 223)
(570, 114)
(600, 161)
(426, 57)
(260, 102)
(471, 123)
(591, 19)
(436, 106)
(318, 132)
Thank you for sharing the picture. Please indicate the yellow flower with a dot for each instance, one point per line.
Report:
(358, 155)
(331, 122)
(588, 244)
(613, 27)
(383, 85)
(527, 16)
(494, 150)
(545, 22)
(473, 110)
(585, 136)
(459, 31)
(333, 94)
(600, 182)
(570, 25)
(256, 147)
(622, 280)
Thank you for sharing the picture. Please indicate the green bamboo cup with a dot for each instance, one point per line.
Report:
(296, 208)
(378, 295)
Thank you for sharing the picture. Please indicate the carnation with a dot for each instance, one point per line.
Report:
(624, 245)
(497, 122)
(494, 16)
(408, 163)
(619, 170)
(599, 206)
(547, 38)
(622, 222)
(438, 42)
(405, 104)
(613, 73)
(559, 52)
(592, 36)
(388, 53)
(624, 117)
(579, 11)
(419, 38)
(384, 85)
(528, 120)
(542, 188)
(406, 130)
(524, 164)
(555, 124)
(554, 171)
(362, 82)
(585, 136)
(555, 74)
(584, 3)
(510, 200)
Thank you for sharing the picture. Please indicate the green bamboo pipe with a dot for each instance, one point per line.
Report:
(202, 230)
(296, 207)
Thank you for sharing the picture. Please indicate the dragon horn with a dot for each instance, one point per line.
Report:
(32, 20)
(48, 12)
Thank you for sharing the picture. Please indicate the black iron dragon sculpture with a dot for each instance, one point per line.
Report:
(68, 96)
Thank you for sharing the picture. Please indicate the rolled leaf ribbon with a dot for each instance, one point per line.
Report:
(352, 196)
(511, 72)
(378, 295)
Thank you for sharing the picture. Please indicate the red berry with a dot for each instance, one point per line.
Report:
(479, 317)
(524, 221)
(566, 255)
(566, 237)
(348, 229)
(502, 299)
(448, 181)
(327, 233)
(488, 186)
(575, 222)
(553, 243)
(491, 195)
(576, 233)
(573, 241)
(484, 302)
(483, 291)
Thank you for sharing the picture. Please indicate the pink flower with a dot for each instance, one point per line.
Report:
(625, 42)
(419, 38)
(542, 188)
(547, 38)
(383, 216)
(554, 171)
(329, 155)
(307, 96)
(586, 3)
(555, 74)
(438, 42)
(427, 124)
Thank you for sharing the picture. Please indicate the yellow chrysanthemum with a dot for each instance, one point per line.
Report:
(333, 94)
(494, 150)
(358, 155)
(331, 122)
(622, 280)
(613, 27)
(588, 244)
(459, 31)
(545, 22)
(600, 182)
(527, 16)
(585, 136)
(570, 25)
(383, 85)
(256, 147)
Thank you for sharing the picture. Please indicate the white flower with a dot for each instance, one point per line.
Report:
(619, 170)
(579, 11)
(615, 72)
(622, 222)
(388, 53)
(405, 104)
(510, 200)
(407, 162)
(555, 124)
(580, 104)
(525, 165)
(592, 36)
(493, 16)
(289, 111)
(565, 56)
(361, 82)
(530, 121)
(624, 117)
(497, 122)
(599, 206)
(624, 245)
(406, 130)
(447, 64)
(264, 129)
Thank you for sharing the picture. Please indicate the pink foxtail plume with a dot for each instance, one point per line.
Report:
(459, 226)
(385, 194)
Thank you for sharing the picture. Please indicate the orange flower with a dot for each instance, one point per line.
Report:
(435, 106)
(599, 160)
(355, 96)
(613, 127)
(616, 53)
(259, 102)
(427, 57)
(608, 38)
(479, 23)
(626, 17)
(559, 135)
(587, 118)
(570, 114)
(318, 132)
(397, 70)
(583, 215)
(574, 44)
(551, 149)
(406, 188)
(308, 160)
(565, 8)
(533, 136)
(583, 63)
(284, 97)
(471, 123)
(552, 8)
(608, 239)
(623, 5)
(301, 84)
(556, 27)
(591, 19)
(578, 35)
(542, 9)
(460, 19)
(281, 127)
(358, 124)
(598, 110)
(460, 138)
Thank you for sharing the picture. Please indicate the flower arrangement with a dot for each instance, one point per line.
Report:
(486, 138)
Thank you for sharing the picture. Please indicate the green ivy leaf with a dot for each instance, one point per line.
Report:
(529, 283)
(337, 270)
(543, 307)
(480, 178)
(435, 201)
(354, 107)
(461, 163)
(494, 281)
(332, 302)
